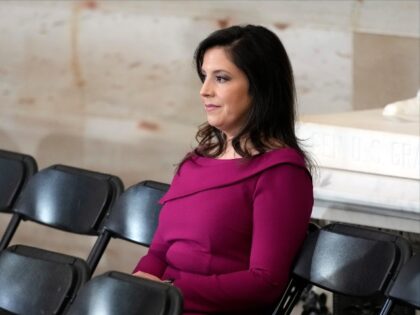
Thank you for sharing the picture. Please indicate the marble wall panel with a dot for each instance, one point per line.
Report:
(322, 62)
(134, 58)
(390, 17)
(132, 149)
(82, 80)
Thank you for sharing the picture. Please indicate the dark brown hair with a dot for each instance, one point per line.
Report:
(259, 53)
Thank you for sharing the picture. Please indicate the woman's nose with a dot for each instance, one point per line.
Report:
(206, 89)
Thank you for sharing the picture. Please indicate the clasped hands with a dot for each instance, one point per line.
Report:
(146, 275)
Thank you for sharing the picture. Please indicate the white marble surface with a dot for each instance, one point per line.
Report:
(336, 213)
(363, 141)
(385, 192)
(366, 120)
(368, 168)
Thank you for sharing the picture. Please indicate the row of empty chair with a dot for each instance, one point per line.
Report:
(38, 281)
(340, 258)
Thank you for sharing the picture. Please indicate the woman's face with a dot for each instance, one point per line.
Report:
(224, 92)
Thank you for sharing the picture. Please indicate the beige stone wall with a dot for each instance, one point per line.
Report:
(386, 69)
(110, 86)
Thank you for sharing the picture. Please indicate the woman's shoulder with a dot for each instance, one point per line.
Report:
(277, 155)
(199, 173)
(241, 167)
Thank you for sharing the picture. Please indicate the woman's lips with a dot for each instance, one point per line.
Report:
(211, 107)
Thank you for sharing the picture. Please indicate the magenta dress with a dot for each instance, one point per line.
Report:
(229, 230)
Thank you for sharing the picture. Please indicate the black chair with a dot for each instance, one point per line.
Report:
(65, 198)
(406, 288)
(294, 288)
(34, 281)
(4, 312)
(119, 293)
(37, 281)
(134, 218)
(15, 169)
(347, 260)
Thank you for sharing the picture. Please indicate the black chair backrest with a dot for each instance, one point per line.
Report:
(35, 281)
(15, 169)
(119, 293)
(346, 259)
(406, 288)
(341, 257)
(66, 198)
(134, 217)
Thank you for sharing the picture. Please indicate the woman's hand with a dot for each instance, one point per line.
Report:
(146, 275)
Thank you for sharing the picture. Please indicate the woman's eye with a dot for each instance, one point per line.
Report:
(221, 79)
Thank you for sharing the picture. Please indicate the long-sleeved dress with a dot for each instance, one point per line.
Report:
(229, 230)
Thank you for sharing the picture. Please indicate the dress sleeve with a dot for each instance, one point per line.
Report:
(154, 262)
(282, 204)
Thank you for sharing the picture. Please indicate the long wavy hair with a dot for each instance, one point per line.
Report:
(259, 53)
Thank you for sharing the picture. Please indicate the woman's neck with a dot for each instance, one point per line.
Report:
(230, 152)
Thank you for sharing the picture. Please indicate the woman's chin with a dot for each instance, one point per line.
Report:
(213, 123)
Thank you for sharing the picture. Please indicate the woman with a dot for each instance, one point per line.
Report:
(239, 204)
